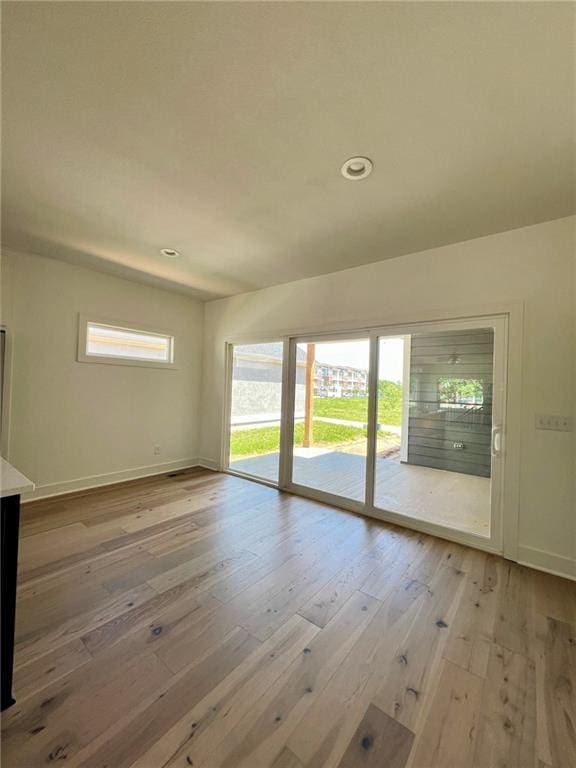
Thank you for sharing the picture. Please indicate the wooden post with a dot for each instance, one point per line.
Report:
(309, 404)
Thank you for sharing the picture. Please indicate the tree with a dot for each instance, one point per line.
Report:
(460, 390)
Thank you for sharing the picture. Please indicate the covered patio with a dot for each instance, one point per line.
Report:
(439, 496)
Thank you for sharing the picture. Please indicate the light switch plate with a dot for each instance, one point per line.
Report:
(556, 423)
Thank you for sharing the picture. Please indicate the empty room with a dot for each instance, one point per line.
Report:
(288, 384)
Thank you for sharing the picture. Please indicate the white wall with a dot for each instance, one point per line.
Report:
(534, 266)
(75, 424)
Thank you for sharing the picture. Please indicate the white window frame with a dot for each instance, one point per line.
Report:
(405, 398)
(84, 357)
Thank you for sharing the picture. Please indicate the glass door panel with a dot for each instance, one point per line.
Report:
(255, 410)
(331, 416)
(434, 458)
(406, 420)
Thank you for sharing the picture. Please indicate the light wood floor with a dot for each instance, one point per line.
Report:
(447, 498)
(203, 620)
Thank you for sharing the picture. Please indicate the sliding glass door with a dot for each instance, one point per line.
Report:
(255, 414)
(439, 414)
(329, 442)
(404, 423)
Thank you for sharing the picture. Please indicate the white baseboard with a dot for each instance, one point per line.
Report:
(208, 464)
(95, 481)
(558, 565)
(549, 562)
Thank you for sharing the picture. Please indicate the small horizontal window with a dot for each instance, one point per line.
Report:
(111, 343)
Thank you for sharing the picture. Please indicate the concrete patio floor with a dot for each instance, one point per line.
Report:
(447, 498)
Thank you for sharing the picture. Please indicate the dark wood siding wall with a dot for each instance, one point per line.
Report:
(446, 429)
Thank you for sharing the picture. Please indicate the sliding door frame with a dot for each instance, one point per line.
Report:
(499, 324)
(494, 542)
(513, 317)
(227, 411)
(287, 445)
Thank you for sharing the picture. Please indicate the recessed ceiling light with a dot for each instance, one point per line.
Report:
(357, 168)
(170, 253)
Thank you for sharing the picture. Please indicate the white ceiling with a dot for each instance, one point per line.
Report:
(219, 129)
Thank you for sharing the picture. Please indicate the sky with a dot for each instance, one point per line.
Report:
(356, 354)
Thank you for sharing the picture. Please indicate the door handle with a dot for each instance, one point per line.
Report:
(496, 447)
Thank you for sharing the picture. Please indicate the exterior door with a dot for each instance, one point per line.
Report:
(438, 426)
(405, 423)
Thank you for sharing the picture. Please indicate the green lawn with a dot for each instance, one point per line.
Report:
(251, 442)
(356, 408)
(352, 408)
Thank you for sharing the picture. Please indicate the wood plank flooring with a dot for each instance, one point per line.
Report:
(452, 499)
(198, 619)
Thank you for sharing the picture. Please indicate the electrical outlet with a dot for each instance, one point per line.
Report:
(156, 450)
(556, 423)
